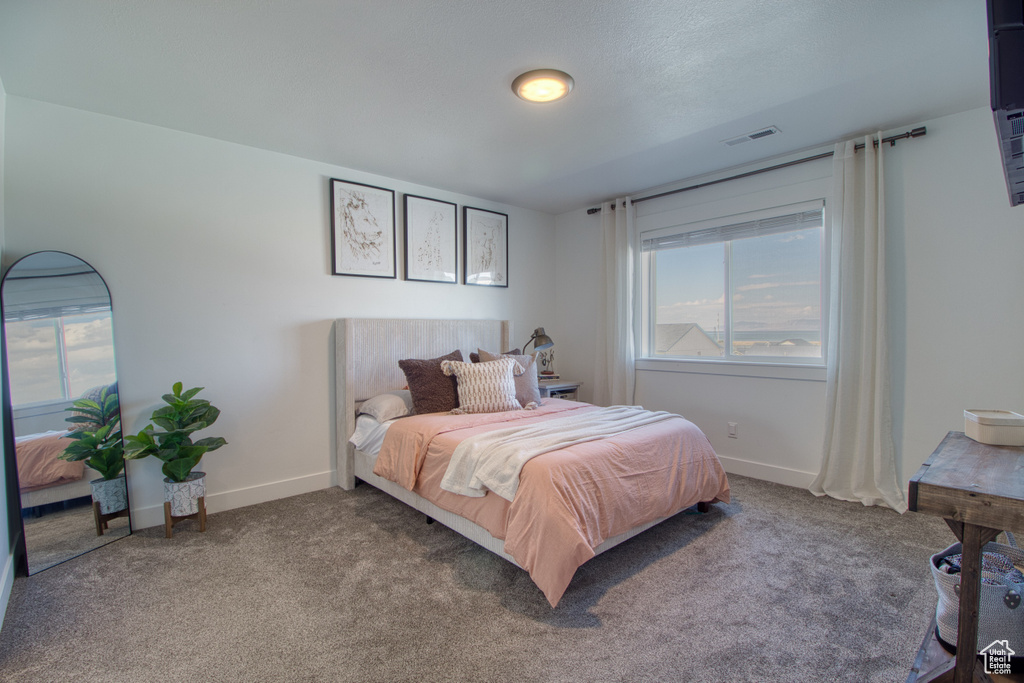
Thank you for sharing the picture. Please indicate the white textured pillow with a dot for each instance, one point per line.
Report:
(388, 406)
(485, 387)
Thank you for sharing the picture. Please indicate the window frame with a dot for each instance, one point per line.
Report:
(721, 212)
(57, 321)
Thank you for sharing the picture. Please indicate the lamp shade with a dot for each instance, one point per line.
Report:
(540, 340)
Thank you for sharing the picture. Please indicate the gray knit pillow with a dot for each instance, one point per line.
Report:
(474, 356)
(527, 389)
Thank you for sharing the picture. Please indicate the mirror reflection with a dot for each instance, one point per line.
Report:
(62, 385)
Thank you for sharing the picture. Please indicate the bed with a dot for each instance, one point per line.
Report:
(42, 477)
(519, 529)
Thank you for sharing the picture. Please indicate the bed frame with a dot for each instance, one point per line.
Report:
(59, 493)
(366, 364)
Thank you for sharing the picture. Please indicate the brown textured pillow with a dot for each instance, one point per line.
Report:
(431, 391)
(527, 389)
(474, 356)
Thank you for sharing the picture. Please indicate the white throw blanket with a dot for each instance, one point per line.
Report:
(495, 459)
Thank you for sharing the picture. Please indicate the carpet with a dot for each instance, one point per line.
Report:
(354, 586)
(59, 535)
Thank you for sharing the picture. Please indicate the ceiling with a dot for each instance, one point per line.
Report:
(420, 90)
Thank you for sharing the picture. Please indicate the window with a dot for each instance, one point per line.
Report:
(59, 358)
(742, 288)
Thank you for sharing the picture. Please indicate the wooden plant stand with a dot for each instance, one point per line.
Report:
(170, 520)
(103, 519)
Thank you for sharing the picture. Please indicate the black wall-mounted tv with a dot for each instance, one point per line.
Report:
(1006, 69)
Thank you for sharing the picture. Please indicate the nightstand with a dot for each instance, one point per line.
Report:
(559, 388)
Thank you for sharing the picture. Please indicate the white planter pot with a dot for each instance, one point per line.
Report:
(111, 494)
(184, 495)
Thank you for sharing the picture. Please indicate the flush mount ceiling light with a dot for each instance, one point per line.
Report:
(542, 85)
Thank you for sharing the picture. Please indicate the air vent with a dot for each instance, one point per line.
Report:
(756, 135)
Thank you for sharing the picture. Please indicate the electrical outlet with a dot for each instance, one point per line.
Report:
(734, 428)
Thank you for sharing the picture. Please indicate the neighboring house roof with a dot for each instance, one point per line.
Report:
(684, 339)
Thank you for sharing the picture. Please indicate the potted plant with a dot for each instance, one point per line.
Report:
(97, 441)
(179, 420)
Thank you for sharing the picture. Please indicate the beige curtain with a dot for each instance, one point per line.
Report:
(859, 462)
(614, 375)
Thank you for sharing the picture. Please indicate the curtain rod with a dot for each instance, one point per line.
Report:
(915, 133)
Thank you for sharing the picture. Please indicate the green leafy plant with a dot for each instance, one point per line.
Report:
(180, 419)
(97, 440)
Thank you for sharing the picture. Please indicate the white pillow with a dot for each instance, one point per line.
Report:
(485, 387)
(368, 436)
(389, 406)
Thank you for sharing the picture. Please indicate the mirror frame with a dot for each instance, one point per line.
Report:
(16, 524)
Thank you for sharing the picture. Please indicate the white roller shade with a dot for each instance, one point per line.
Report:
(51, 284)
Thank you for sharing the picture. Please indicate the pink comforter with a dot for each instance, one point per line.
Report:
(569, 501)
(38, 464)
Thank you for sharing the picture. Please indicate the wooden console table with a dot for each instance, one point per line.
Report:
(979, 490)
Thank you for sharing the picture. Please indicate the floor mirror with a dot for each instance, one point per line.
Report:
(62, 408)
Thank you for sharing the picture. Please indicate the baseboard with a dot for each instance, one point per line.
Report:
(772, 473)
(6, 584)
(143, 518)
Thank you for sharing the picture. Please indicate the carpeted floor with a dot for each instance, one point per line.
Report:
(59, 535)
(354, 586)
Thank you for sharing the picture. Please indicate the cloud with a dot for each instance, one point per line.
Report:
(774, 285)
(696, 302)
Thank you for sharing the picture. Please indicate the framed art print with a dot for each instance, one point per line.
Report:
(362, 230)
(430, 239)
(485, 247)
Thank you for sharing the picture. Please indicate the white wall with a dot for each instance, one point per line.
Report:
(956, 282)
(954, 250)
(218, 261)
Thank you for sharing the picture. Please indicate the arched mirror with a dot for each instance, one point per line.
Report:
(63, 407)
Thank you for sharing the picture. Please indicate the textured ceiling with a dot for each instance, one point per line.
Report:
(420, 90)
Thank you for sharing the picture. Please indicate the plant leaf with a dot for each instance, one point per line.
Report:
(211, 443)
(78, 419)
(190, 393)
(178, 470)
(165, 422)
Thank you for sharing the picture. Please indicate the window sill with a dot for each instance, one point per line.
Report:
(786, 371)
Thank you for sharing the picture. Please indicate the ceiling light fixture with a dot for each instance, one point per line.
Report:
(542, 85)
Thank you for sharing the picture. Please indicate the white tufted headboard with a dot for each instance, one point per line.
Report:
(367, 351)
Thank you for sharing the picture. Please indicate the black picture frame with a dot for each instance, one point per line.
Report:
(362, 230)
(431, 239)
(484, 247)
